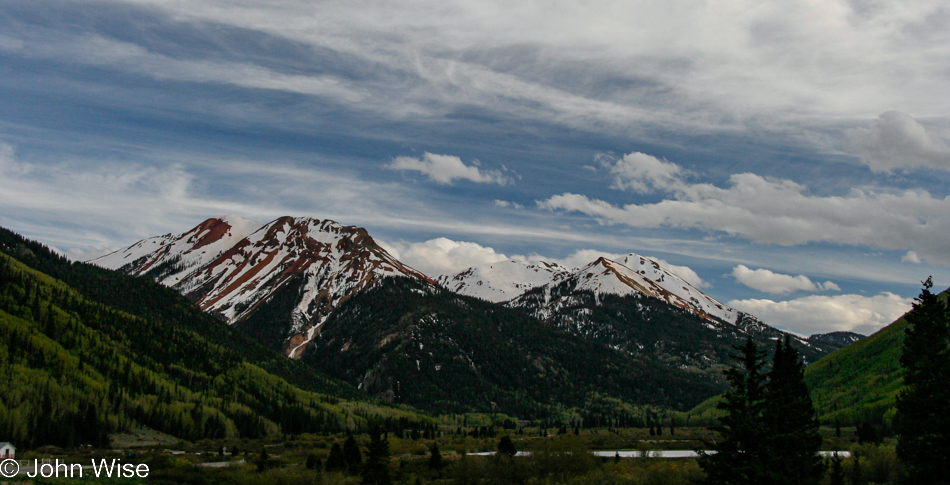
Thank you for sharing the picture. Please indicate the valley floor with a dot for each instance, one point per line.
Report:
(556, 458)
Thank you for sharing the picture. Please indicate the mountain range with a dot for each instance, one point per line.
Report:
(312, 289)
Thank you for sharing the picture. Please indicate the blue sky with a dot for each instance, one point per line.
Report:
(792, 157)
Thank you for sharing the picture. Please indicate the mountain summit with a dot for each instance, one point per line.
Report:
(631, 274)
(279, 280)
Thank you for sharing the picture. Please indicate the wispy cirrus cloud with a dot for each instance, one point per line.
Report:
(617, 66)
(97, 50)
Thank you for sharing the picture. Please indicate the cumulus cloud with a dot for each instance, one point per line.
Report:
(769, 282)
(820, 314)
(445, 169)
(782, 212)
(896, 140)
(911, 257)
(641, 172)
(443, 256)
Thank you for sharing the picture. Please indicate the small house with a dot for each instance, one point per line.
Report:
(7, 451)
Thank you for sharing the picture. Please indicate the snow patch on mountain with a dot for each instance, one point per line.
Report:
(502, 281)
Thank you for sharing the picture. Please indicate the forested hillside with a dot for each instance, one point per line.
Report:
(75, 369)
(860, 382)
(418, 344)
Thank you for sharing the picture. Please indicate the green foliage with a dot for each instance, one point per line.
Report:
(861, 381)
(836, 472)
(922, 421)
(74, 369)
(435, 457)
(768, 427)
(789, 417)
(376, 469)
(742, 451)
(336, 462)
(507, 447)
(352, 455)
(560, 459)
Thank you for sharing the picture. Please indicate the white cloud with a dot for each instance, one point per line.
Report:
(911, 257)
(780, 211)
(820, 314)
(769, 282)
(829, 286)
(777, 283)
(710, 68)
(896, 140)
(90, 204)
(442, 256)
(445, 169)
(641, 172)
(506, 204)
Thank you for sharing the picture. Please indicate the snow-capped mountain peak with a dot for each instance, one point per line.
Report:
(233, 267)
(630, 274)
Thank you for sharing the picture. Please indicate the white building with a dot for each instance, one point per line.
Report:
(7, 450)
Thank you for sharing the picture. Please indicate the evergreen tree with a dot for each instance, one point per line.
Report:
(789, 417)
(836, 475)
(741, 451)
(435, 457)
(922, 422)
(506, 447)
(353, 455)
(376, 469)
(336, 461)
(857, 475)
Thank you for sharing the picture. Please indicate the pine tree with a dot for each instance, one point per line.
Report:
(857, 475)
(836, 475)
(789, 416)
(435, 457)
(506, 447)
(922, 422)
(353, 455)
(376, 469)
(741, 452)
(336, 461)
